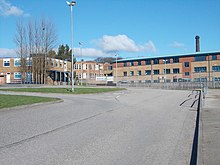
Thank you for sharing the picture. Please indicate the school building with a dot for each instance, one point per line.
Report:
(190, 67)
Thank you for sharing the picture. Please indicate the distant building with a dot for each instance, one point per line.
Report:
(89, 71)
(194, 67)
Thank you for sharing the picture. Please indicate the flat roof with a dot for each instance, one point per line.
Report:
(169, 56)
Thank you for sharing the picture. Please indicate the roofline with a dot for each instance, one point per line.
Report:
(168, 56)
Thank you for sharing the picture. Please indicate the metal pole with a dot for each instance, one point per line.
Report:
(71, 4)
(165, 71)
(116, 72)
(80, 44)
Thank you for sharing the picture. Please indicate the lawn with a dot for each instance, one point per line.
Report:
(64, 90)
(7, 101)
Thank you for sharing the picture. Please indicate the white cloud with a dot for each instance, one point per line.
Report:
(7, 9)
(176, 44)
(90, 52)
(124, 43)
(7, 52)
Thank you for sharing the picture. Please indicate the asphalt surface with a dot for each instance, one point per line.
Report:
(137, 126)
(209, 150)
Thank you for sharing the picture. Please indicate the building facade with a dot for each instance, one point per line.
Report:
(58, 71)
(91, 72)
(193, 67)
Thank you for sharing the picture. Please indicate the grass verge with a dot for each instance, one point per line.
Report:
(64, 90)
(8, 101)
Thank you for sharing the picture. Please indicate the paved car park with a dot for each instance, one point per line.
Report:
(135, 126)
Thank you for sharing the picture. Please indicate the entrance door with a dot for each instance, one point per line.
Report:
(8, 79)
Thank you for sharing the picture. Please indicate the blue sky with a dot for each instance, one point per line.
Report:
(133, 28)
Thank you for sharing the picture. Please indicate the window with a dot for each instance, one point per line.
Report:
(17, 75)
(176, 70)
(200, 58)
(132, 63)
(202, 79)
(125, 73)
(6, 62)
(176, 60)
(167, 61)
(109, 67)
(186, 73)
(139, 73)
(167, 71)
(148, 72)
(29, 62)
(148, 62)
(156, 61)
(156, 71)
(125, 64)
(61, 64)
(186, 64)
(214, 57)
(200, 69)
(131, 73)
(216, 68)
(17, 62)
(52, 63)
(139, 62)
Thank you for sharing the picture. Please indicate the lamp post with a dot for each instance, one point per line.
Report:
(80, 45)
(71, 4)
(165, 71)
(116, 67)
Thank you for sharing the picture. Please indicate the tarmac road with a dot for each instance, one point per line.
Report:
(137, 126)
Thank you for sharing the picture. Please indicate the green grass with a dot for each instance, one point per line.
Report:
(7, 101)
(64, 90)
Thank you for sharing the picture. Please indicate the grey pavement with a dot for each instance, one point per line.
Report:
(136, 126)
(209, 153)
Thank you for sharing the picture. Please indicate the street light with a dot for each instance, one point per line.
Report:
(80, 45)
(116, 72)
(165, 71)
(71, 4)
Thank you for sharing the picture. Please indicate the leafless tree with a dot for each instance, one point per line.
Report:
(33, 45)
(21, 42)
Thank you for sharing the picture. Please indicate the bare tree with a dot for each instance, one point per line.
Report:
(21, 42)
(33, 45)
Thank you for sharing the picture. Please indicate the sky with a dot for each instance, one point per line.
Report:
(128, 28)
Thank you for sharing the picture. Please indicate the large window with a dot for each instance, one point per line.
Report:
(175, 59)
(186, 64)
(167, 71)
(200, 69)
(156, 61)
(176, 70)
(29, 63)
(216, 68)
(214, 57)
(125, 73)
(157, 71)
(186, 73)
(6, 62)
(131, 73)
(167, 61)
(148, 62)
(148, 72)
(17, 62)
(200, 58)
(17, 75)
(139, 73)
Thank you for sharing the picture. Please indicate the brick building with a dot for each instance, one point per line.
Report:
(88, 71)
(196, 67)
(58, 71)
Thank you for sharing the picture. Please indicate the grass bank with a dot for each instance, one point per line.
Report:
(64, 90)
(8, 101)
